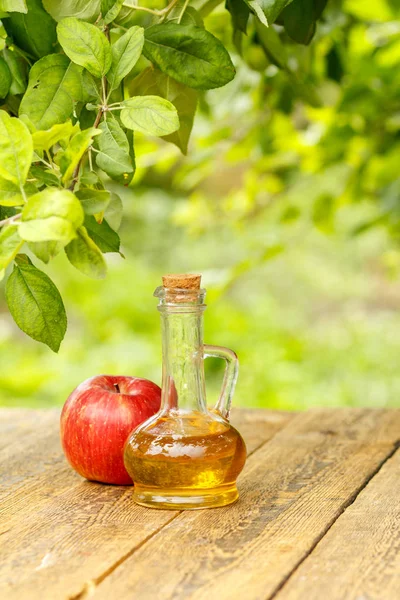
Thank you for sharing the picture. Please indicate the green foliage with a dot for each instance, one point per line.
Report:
(17, 67)
(16, 149)
(53, 89)
(113, 155)
(101, 233)
(86, 86)
(86, 256)
(81, 9)
(110, 9)
(150, 114)
(42, 29)
(189, 54)
(51, 215)
(13, 6)
(10, 244)
(85, 45)
(5, 78)
(125, 53)
(36, 304)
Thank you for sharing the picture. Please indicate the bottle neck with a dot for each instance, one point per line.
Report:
(183, 385)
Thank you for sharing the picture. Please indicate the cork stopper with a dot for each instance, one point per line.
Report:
(183, 281)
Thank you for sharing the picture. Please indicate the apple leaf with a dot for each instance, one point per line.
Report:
(87, 10)
(125, 54)
(44, 140)
(45, 251)
(150, 114)
(110, 9)
(53, 89)
(86, 256)
(113, 155)
(76, 148)
(102, 234)
(13, 6)
(16, 149)
(35, 304)
(5, 78)
(94, 201)
(10, 193)
(153, 81)
(34, 32)
(51, 215)
(190, 54)
(10, 245)
(85, 45)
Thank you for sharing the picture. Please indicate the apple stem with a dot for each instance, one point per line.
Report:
(117, 388)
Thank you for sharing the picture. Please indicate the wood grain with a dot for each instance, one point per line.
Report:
(60, 532)
(360, 555)
(292, 491)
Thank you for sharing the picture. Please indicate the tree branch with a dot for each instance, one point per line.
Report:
(99, 115)
(10, 220)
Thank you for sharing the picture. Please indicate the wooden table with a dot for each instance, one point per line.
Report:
(318, 518)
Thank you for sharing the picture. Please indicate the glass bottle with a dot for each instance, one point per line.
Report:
(187, 456)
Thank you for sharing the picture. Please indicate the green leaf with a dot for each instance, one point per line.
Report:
(17, 66)
(299, 20)
(240, 12)
(102, 234)
(44, 176)
(10, 193)
(5, 78)
(113, 212)
(94, 201)
(190, 54)
(125, 54)
(113, 156)
(86, 256)
(36, 305)
(110, 9)
(267, 10)
(54, 87)
(85, 45)
(272, 45)
(45, 251)
(190, 16)
(16, 149)
(44, 140)
(153, 81)
(13, 6)
(51, 215)
(76, 148)
(10, 245)
(150, 114)
(34, 32)
(87, 10)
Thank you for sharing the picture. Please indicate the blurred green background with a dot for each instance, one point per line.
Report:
(288, 203)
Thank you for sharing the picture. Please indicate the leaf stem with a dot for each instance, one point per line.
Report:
(158, 13)
(183, 11)
(100, 113)
(208, 7)
(21, 187)
(10, 220)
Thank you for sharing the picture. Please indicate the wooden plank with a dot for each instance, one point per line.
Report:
(33, 455)
(360, 555)
(293, 489)
(19, 427)
(66, 531)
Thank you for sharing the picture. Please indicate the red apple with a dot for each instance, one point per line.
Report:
(97, 419)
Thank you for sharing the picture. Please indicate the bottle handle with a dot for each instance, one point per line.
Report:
(223, 405)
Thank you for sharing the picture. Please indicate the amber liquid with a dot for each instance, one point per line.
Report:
(185, 461)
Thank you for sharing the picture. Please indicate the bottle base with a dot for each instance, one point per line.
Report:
(184, 499)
